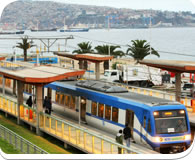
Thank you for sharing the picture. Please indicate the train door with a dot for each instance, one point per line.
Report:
(49, 92)
(130, 119)
(144, 126)
(83, 108)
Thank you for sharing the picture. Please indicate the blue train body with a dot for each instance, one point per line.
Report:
(145, 115)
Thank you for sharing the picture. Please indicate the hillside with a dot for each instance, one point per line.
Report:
(48, 15)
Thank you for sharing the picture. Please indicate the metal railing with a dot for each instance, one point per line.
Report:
(9, 105)
(80, 137)
(11, 65)
(19, 143)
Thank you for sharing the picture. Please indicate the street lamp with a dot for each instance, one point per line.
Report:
(14, 53)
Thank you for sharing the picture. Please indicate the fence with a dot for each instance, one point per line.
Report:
(20, 143)
(9, 105)
(80, 137)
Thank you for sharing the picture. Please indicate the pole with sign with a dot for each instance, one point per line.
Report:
(37, 52)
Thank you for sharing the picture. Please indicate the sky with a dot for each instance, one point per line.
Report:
(171, 5)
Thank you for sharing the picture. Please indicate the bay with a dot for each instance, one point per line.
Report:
(171, 43)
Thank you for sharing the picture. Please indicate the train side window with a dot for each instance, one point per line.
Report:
(107, 112)
(149, 126)
(114, 114)
(72, 102)
(57, 97)
(144, 122)
(94, 108)
(61, 99)
(100, 110)
(67, 100)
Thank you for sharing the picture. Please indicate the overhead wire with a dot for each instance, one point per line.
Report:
(106, 42)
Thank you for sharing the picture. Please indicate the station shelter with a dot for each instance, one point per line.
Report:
(94, 58)
(26, 73)
(174, 66)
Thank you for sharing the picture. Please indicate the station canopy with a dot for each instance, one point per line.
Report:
(2, 58)
(29, 73)
(171, 65)
(88, 56)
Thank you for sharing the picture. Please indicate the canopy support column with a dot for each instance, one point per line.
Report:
(78, 99)
(39, 102)
(3, 83)
(97, 70)
(178, 86)
(20, 99)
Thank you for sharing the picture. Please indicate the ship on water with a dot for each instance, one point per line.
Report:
(77, 28)
(11, 32)
(44, 30)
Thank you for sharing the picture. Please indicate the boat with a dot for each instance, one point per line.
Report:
(43, 30)
(19, 32)
(11, 32)
(78, 28)
(75, 30)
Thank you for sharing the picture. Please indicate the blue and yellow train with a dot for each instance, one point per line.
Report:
(159, 124)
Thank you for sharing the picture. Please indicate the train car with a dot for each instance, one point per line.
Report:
(159, 124)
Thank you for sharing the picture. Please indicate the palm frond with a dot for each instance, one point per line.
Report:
(140, 49)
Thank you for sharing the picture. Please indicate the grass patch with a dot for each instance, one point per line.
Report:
(48, 143)
(8, 148)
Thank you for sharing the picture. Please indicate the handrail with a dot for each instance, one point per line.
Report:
(26, 141)
(86, 131)
(91, 133)
(8, 98)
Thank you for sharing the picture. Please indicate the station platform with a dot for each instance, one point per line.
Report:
(84, 137)
(58, 112)
(192, 118)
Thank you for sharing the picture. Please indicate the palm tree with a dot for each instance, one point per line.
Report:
(104, 49)
(140, 49)
(84, 47)
(25, 45)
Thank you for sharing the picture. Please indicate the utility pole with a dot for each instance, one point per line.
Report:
(108, 44)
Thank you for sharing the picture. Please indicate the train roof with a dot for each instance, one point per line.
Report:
(100, 86)
(123, 93)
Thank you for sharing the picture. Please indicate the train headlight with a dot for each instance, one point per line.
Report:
(156, 113)
(187, 137)
(181, 111)
(158, 139)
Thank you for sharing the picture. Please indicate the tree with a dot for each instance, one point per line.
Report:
(140, 49)
(84, 47)
(104, 49)
(25, 45)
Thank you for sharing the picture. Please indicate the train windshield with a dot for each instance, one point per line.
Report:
(167, 122)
